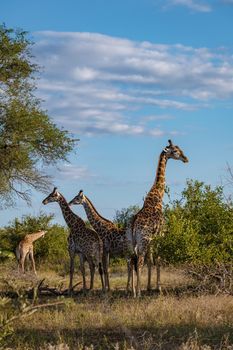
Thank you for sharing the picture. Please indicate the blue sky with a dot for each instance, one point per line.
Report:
(124, 77)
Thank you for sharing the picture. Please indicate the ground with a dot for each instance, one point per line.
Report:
(176, 319)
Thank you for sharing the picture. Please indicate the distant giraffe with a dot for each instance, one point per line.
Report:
(82, 241)
(114, 238)
(25, 248)
(147, 223)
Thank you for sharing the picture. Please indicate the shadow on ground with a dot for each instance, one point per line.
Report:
(169, 338)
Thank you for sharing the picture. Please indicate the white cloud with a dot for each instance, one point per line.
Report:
(71, 172)
(203, 6)
(193, 5)
(97, 84)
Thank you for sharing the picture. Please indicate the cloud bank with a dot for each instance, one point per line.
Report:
(95, 84)
(193, 5)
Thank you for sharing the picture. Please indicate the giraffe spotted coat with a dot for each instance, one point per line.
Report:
(113, 238)
(82, 241)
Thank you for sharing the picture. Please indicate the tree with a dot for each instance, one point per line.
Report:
(123, 216)
(199, 227)
(29, 140)
(52, 248)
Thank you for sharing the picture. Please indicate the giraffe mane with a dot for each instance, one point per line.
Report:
(73, 213)
(97, 211)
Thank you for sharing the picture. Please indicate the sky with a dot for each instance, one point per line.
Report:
(124, 77)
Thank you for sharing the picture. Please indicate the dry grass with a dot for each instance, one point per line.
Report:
(116, 321)
(170, 277)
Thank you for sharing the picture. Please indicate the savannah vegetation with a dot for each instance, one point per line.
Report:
(195, 309)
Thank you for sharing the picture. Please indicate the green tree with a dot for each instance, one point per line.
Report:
(52, 248)
(123, 216)
(11, 235)
(199, 227)
(28, 138)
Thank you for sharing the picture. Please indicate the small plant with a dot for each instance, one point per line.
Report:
(20, 307)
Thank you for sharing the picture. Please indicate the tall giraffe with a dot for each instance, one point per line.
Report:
(113, 238)
(82, 241)
(148, 221)
(25, 248)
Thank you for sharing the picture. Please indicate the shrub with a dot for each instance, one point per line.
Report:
(52, 248)
(199, 227)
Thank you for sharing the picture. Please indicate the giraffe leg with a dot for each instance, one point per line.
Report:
(105, 267)
(158, 281)
(133, 265)
(22, 261)
(149, 266)
(149, 275)
(17, 255)
(139, 268)
(82, 268)
(33, 261)
(92, 272)
(101, 276)
(27, 258)
(22, 256)
(21, 265)
(18, 264)
(71, 272)
(138, 287)
(129, 275)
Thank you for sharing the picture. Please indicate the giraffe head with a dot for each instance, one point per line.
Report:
(174, 152)
(42, 232)
(54, 196)
(79, 199)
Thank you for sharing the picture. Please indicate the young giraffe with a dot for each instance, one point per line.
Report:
(82, 241)
(148, 221)
(113, 238)
(25, 248)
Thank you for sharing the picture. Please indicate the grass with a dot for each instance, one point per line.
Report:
(116, 321)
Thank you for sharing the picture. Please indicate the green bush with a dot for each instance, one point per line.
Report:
(123, 216)
(52, 248)
(199, 227)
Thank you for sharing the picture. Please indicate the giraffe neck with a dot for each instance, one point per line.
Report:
(157, 190)
(160, 174)
(34, 236)
(70, 217)
(95, 219)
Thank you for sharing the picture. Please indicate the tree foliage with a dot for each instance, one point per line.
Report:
(123, 216)
(52, 248)
(28, 138)
(199, 227)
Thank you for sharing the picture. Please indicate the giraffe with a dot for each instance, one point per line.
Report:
(25, 248)
(113, 238)
(147, 223)
(82, 241)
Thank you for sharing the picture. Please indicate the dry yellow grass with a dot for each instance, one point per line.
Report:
(116, 321)
(170, 277)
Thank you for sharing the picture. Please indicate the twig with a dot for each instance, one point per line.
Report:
(27, 311)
